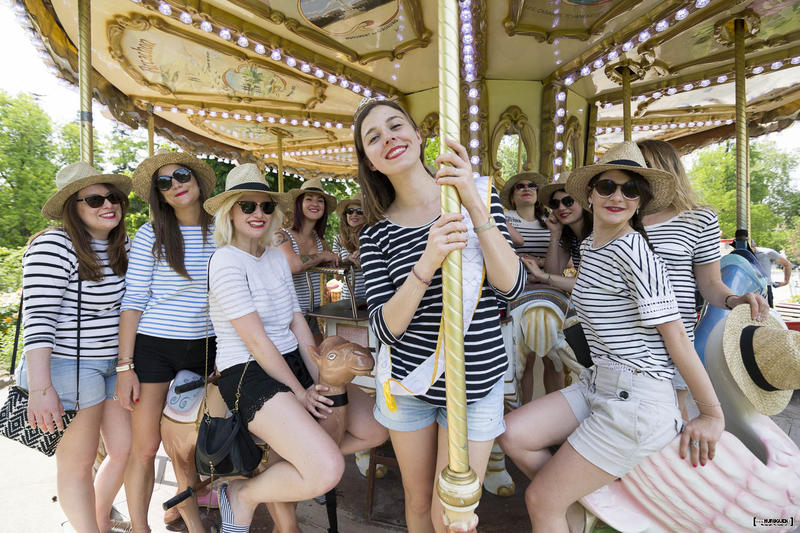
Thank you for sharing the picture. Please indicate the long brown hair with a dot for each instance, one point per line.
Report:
(299, 219)
(168, 237)
(645, 197)
(662, 155)
(90, 268)
(376, 188)
(567, 234)
(351, 235)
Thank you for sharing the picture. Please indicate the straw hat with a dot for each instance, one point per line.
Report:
(764, 359)
(245, 178)
(508, 189)
(548, 190)
(143, 175)
(75, 177)
(341, 206)
(625, 156)
(315, 186)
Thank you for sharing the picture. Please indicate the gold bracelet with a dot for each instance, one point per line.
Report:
(707, 404)
(43, 391)
(489, 225)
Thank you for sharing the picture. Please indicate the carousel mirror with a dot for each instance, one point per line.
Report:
(513, 143)
(573, 144)
(429, 131)
(511, 154)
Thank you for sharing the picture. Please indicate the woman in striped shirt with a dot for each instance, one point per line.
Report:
(624, 408)
(82, 263)
(686, 236)
(164, 322)
(525, 214)
(304, 243)
(347, 243)
(402, 250)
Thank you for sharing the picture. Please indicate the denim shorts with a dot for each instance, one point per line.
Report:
(98, 378)
(484, 417)
(624, 417)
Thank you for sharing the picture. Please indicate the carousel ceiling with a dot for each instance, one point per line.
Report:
(241, 78)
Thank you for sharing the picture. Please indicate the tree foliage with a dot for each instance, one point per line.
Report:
(508, 156)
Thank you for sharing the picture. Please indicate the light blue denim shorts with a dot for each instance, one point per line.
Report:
(484, 417)
(98, 378)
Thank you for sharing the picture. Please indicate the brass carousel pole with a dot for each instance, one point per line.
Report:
(151, 130)
(626, 102)
(742, 177)
(459, 489)
(279, 136)
(85, 78)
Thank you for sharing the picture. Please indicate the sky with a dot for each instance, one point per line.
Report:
(24, 71)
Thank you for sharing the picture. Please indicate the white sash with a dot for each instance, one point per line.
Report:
(418, 381)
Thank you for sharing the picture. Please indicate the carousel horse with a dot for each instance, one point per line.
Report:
(755, 472)
(536, 319)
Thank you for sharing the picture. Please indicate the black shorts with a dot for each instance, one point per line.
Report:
(157, 360)
(257, 386)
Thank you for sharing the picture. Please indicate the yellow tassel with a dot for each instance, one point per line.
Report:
(387, 393)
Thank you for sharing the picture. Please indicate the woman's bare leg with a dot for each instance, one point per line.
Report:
(416, 455)
(363, 431)
(115, 427)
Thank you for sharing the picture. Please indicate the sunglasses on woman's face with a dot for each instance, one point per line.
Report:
(520, 186)
(248, 208)
(97, 200)
(353, 210)
(181, 175)
(606, 188)
(567, 201)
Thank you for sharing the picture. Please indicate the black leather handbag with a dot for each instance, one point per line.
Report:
(224, 445)
(14, 413)
(574, 334)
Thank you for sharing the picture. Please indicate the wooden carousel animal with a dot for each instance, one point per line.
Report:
(755, 474)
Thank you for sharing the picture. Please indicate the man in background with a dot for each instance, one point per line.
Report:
(767, 256)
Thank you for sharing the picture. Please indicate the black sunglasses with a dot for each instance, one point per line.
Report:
(566, 200)
(97, 200)
(181, 175)
(606, 188)
(520, 186)
(248, 208)
(351, 210)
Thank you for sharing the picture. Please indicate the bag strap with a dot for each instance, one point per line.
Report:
(569, 305)
(78, 373)
(208, 313)
(16, 332)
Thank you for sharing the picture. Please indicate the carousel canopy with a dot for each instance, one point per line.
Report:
(244, 79)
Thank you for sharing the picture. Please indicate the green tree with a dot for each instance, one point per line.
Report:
(68, 146)
(508, 155)
(123, 150)
(27, 170)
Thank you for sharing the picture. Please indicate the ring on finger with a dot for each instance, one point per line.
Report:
(115, 397)
(695, 443)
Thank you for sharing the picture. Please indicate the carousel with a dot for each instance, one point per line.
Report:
(276, 83)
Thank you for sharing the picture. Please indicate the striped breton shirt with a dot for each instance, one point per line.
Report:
(300, 280)
(688, 239)
(575, 253)
(173, 307)
(241, 284)
(537, 238)
(388, 251)
(341, 251)
(50, 288)
(622, 293)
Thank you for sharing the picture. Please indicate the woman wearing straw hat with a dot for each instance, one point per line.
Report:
(304, 243)
(624, 408)
(526, 214)
(262, 352)
(163, 325)
(84, 259)
(686, 236)
(347, 244)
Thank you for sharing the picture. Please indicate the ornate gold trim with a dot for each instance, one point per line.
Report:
(573, 133)
(429, 127)
(548, 133)
(723, 29)
(413, 8)
(591, 136)
(513, 120)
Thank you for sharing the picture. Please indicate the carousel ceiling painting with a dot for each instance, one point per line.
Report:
(254, 79)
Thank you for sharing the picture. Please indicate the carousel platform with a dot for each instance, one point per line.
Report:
(30, 503)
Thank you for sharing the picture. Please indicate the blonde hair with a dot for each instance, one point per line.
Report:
(662, 156)
(223, 227)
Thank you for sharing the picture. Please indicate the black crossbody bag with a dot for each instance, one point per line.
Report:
(574, 334)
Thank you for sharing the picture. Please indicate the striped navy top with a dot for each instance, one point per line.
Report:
(682, 242)
(242, 284)
(300, 280)
(537, 238)
(388, 251)
(341, 251)
(50, 288)
(173, 307)
(622, 293)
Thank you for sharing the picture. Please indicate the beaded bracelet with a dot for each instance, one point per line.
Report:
(708, 404)
(427, 283)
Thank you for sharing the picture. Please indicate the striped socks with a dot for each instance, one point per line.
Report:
(227, 514)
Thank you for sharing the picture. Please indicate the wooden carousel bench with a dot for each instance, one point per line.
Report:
(788, 310)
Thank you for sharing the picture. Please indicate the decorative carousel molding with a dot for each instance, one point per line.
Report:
(573, 134)
(429, 127)
(548, 135)
(511, 121)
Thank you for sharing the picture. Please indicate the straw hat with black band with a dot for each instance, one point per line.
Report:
(357, 199)
(546, 192)
(242, 179)
(624, 156)
(764, 359)
(143, 175)
(315, 186)
(72, 178)
(507, 191)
